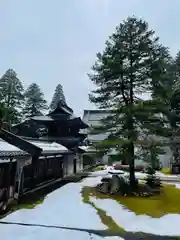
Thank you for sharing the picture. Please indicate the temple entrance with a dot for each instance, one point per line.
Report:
(74, 166)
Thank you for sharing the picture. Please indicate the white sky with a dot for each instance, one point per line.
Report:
(51, 42)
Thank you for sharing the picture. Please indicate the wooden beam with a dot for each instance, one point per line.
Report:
(20, 143)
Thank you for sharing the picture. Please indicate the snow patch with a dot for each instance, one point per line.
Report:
(166, 225)
(63, 207)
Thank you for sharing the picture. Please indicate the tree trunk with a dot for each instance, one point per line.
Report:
(131, 150)
(131, 164)
(131, 128)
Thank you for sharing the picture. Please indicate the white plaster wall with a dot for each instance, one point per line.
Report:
(105, 159)
(79, 162)
(166, 158)
(70, 164)
(65, 165)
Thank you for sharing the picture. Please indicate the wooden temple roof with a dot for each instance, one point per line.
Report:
(61, 108)
(71, 122)
(62, 115)
(9, 150)
(13, 146)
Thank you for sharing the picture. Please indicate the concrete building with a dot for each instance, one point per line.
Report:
(93, 117)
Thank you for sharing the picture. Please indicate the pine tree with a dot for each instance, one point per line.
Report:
(34, 101)
(168, 92)
(122, 73)
(177, 65)
(58, 97)
(11, 94)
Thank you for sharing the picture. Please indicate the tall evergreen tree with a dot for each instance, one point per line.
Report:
(34, 101)
(58, 97)
(177, 65)
(168, 92)
(11, 94)
(122, 73)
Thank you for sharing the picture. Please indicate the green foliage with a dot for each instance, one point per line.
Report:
(34, 101)
(167, 91)
(57, 97)
(11, 94)
(4, 123)
(129, 65)
(150, 153)
(152, 180)
(98, 168)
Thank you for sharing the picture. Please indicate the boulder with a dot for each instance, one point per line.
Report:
(113, 171)
(115, 184)
(105, 187)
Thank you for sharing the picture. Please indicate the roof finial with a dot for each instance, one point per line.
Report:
(58, 97)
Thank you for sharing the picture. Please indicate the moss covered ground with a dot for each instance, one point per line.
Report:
(98, 168)
(106, 220)
(155, 206)
(27, 204)
(166, 171)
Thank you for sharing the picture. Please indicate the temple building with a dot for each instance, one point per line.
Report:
(39, 150)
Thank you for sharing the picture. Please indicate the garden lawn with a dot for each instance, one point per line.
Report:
(157, 206)
(98, 168)
(166, 171)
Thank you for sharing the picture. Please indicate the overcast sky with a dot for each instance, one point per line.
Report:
(52, 42)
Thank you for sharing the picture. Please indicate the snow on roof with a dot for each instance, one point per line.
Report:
(46, 146)
(6, 160)
(7, 149)
(4, 146)
(87, 148)
(84, 148)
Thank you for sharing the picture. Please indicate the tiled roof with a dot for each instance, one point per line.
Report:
(7, 149)
(49, 147)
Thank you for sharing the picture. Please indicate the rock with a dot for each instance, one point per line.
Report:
(106, 179)
(105, 187)
(115, 184)
(113, 171)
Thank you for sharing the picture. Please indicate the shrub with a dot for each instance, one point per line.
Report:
(151, 180)
(149, 170)
(166, 170)
(98, 168)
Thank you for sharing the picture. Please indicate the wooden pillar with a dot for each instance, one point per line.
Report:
(45, 169)
(33, 171)
(9, 178)
(7, 189)
(74, 166)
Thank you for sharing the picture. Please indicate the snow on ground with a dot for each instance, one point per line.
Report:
(177, 185)
(166, 225)
(139, 175)
(35, 233)
(63, 207)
